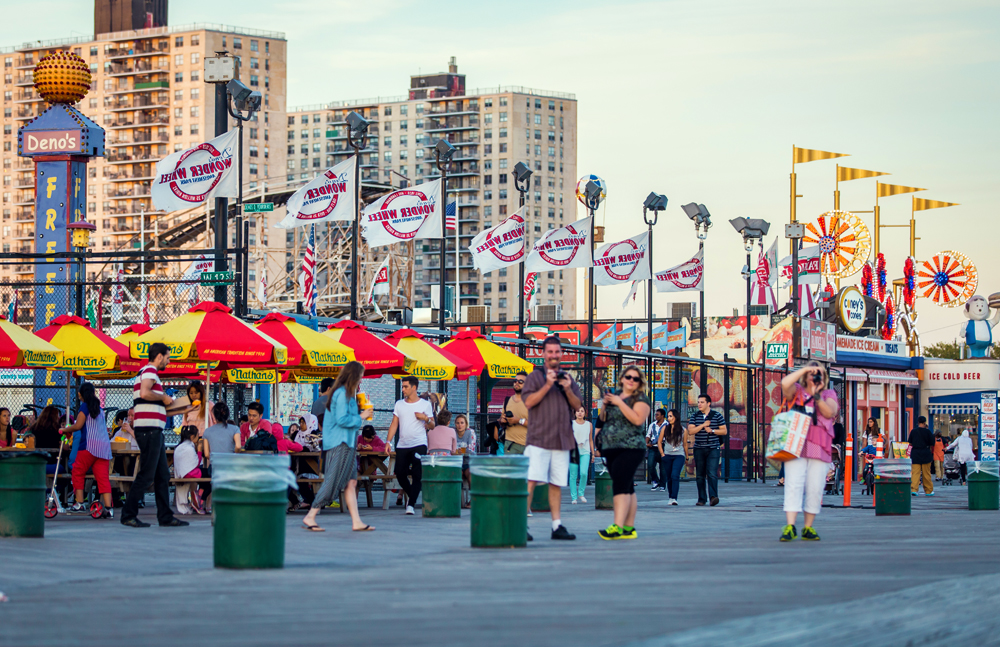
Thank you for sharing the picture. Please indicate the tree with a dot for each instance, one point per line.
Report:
(952, 349)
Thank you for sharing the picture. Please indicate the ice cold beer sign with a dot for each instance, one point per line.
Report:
(851, 309)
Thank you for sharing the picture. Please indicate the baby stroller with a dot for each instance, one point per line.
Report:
(835, 476)
(952, 471)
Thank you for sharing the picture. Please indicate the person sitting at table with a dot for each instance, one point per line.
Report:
(223, 437)
(187, 465)
(442, 439)
(309, 436)
(369, 441)
(46, 432)
(8, 437)
(201, 417)
(284, 444)
(255, 422)
(467, 447)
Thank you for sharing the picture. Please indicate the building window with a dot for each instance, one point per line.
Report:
(194, 129)
(503, 101)
(503, 133)
(178, 42)
(179, 59)
(503, 148)
(538, 119)
(195, 93)
(195, 58)
(503, 162)
(237, 42)
(387, 111)
(179, 77)
(253, 46)
(195, 75)
(195, 111)
(503, 117)
(195, 39)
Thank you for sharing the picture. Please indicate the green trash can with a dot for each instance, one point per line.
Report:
(249, 500)
(499, 501)
(984, 485)
(892, 486)
(540, 499)
(441, 479)
(603, 494)
(22, 494)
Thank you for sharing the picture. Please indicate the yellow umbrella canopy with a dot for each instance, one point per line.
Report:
(20, 348)
(484, 354)
(209, 332)
(432, 362)
(84, 348)
(307, 348)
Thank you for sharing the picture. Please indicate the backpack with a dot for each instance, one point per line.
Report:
(262, 441)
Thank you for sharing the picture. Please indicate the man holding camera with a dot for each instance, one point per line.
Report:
(552, 397)
(515, 417)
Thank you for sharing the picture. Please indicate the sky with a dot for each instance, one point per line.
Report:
(699, 100)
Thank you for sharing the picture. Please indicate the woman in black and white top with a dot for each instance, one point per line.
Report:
(653, 453)
(671, 445)
(583, 434)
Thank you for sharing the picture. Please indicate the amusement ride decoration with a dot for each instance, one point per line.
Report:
(62, 77)
(909, 282)
(881, 279)
(949, 278)
(581, 188)
(844, 241)
(889, 325)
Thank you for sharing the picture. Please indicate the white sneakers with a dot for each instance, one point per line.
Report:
(583, 499)
(672, 501)
(409, 509)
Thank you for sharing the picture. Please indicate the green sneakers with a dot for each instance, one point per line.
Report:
(788, 533)
(612, 532)
(808, 534)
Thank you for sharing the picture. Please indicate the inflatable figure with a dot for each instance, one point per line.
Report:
(978, 330)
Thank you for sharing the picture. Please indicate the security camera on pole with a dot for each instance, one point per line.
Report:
(522, 177)
(357, 138)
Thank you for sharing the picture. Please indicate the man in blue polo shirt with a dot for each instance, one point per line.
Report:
(707, 426)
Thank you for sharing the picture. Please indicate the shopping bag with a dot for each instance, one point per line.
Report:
(788, 435)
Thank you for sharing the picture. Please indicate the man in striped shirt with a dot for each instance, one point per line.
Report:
(150, 403)
(706, 426)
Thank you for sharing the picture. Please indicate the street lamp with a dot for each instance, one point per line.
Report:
(522, 178)
(592, 194)
(702, 219)
(240, 99)
(753, 231)
(443, 152)
(357, 138)
(654, 203)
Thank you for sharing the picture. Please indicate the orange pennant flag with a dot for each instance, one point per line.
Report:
(922, 204)
(885, 190)
(802, 155)
(845, 174)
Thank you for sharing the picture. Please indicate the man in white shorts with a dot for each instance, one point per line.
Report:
(552, 397)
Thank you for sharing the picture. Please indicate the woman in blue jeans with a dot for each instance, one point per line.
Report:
(671, 445)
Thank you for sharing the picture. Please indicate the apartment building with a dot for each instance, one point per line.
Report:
(493, 129)
(149, 95)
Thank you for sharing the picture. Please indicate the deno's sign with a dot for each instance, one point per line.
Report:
(851, 309)
(52, 141)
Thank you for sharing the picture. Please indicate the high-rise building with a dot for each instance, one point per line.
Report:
(149, 95)
(122, 15)
(493, 129)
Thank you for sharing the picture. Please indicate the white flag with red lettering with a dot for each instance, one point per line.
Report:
(621, 262)
(404, 215)
(330, 196)
(562, 248)
(500, 246)
(189, 178)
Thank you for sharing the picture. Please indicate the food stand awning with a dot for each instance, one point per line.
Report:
(892, 377)
(855, 375)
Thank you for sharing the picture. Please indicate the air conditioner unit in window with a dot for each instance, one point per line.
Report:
(475, 314)
(548, 313)
(681, 310)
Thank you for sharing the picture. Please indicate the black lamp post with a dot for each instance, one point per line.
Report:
(753, 231)
(443, 152)
(522, 178)
(241, 98)
(702, 219)
(655, 203)
(357, 138)
(593, 196)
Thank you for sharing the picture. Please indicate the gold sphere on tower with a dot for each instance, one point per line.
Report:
(62, 77)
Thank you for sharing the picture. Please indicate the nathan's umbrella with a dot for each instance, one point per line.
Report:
(84, 350)
(174, 369)
(432, 362)
(378, 357)
(209, 332)
(483, 354)
(307, 348)
(20, 348)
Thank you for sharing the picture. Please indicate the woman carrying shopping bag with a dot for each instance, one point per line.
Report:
(805, 477)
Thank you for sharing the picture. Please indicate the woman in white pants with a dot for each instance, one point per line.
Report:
(805, 477)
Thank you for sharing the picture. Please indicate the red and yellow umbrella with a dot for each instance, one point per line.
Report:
(307, 348)
(20, 348)
(84, 349)
(174, 369)
(432, 362)
(481, 353)
(378, 357)
(209, 332)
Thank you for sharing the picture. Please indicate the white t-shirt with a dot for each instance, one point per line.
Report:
(412, 432)
(581, 434)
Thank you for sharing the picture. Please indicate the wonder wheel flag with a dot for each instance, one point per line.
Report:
(329, 196)
(766, 277)
(450, 221)
(309, 294)
(530, 288)
(380, 284)
(189, 178)
(562, 248)
(499, 246)
(403, 215)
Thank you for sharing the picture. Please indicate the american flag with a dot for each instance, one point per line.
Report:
(450, 221)
(309, 274)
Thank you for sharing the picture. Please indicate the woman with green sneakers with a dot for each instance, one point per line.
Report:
(623, 446)
(806, 391)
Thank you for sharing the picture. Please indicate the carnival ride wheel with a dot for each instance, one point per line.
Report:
(845, 243)
(949, 278)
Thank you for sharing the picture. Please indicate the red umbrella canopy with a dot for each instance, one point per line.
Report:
(378, 357)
